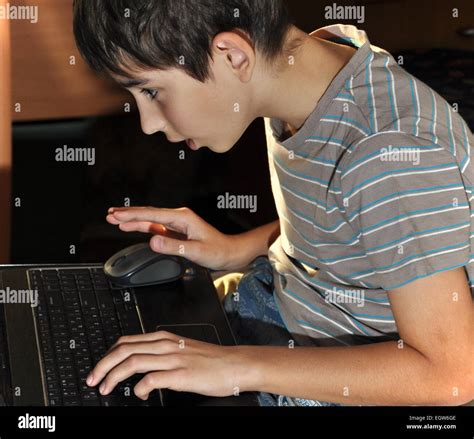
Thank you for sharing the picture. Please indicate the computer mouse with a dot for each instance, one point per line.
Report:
(139, 266)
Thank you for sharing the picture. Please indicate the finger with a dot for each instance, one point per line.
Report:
(112, 220)
(122, 352)
(142, 226)
(167, 379)
(177, 218)
(143, 338)
(169, 246)
(160, 229)
(121, 209)
(113, 210)
(148, 227)
(175, 231)
(150, 336)
(138, 363)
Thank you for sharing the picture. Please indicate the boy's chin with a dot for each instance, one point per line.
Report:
(220, 149)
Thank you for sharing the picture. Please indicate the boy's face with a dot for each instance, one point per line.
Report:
(214, 114)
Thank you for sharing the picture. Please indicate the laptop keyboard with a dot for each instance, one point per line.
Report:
(79, 317)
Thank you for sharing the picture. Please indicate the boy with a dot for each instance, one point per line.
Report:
(364, 297)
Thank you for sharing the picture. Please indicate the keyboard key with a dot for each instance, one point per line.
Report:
(87, 299)
(71, 402)
(49, 274)
(90, 394)
(55, 401)
(105, 300)
(109, 400)
(53, 299)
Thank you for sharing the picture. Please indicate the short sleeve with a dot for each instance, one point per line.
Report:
(405, 200)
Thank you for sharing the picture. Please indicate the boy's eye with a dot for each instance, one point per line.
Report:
(151, 94)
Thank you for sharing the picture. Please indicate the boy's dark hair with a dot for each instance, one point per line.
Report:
(161, 34)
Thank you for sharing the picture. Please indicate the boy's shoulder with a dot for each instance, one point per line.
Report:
(392, 152)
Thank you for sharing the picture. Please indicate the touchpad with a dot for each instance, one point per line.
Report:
(201, 332)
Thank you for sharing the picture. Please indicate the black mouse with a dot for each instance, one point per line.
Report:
(139, 266)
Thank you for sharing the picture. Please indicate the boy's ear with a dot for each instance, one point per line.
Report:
(237, 50)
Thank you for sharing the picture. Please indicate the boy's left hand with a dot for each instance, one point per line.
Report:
(170, 362)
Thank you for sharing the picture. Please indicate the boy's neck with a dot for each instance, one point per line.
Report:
(293, 95)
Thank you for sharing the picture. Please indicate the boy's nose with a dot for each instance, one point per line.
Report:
(151, 125)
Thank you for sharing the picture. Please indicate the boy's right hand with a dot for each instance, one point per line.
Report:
(178, 232)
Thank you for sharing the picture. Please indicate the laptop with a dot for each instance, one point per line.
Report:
(47, 350)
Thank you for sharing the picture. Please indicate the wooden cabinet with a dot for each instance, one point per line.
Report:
(5, 140)
(49, 78)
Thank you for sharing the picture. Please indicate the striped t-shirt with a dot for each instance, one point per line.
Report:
(373, 192)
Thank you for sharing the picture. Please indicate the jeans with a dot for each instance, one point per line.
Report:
(255, 320)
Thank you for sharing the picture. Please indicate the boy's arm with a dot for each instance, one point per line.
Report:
(432, 365)
(249, 245)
